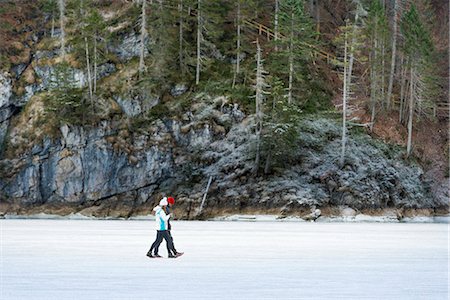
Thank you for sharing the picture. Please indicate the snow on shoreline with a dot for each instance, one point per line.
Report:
(360, 218)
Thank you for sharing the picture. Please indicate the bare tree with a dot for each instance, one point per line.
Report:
(61, 25)
(180, 34)
(143, 37)
(411, 110)
(88, 67)
(238, 42)
(344, 103)
(276, 29)
(259, 98)
(291, 59)
(393, 53)
(199, 40)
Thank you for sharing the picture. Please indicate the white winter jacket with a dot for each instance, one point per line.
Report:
(161, 218)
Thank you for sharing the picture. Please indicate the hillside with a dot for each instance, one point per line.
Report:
(120, 104)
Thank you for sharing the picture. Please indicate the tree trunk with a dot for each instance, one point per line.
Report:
(95, 63)
(393, 54)
(352, 51)
(199, 36)
(374, 77)
(291, 59)
(258, 103)
(277, 12)
(268, 163)
(238, 43)
(383, 71)
(52, 33)
(344, 105)
(269, 154)
(402, 89)
(61, 24)
(180, 53)
(411, 113)
(88, 67)
(143, 36)
(317, 18)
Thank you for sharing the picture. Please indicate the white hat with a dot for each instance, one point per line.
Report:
(163, 202)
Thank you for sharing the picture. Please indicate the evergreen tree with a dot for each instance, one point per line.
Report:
(64, 100)
(210, 18)
(418, 48)
(290, 62)
(244, 11)
(280, 135)
(50, 7)
(377, 31)
(351, 38)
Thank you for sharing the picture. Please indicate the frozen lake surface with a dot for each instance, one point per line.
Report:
(78, 259)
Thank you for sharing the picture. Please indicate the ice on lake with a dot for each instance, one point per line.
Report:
(88, 259)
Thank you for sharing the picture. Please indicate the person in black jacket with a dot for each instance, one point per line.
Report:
(170, 246)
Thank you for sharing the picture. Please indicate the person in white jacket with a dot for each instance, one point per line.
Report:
(161, 229)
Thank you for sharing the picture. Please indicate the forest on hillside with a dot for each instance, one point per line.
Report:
(374, 66)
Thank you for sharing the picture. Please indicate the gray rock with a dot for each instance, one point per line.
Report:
(18, 69)
(178, 90)
(348, 212)
(105, 70)
(48, 76)
(86, 165)
(5, 89)
(129, 47)
(136, 105)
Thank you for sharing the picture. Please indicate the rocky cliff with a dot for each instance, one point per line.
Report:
(109, 171)
(112, 167)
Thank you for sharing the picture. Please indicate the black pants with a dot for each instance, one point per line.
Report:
(160, 235)
(169, 250)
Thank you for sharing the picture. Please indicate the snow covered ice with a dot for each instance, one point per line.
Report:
(87, 259)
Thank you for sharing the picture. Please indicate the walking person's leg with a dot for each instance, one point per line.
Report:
(171, 250)
(156, 243)
(168, 239)
(159, 241)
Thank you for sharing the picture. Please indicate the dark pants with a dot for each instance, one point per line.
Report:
(160, 235)
(169, 250)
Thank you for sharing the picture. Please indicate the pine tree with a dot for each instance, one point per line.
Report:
(244, 11)
(95, 29)
(418, 49)
(210, 18)
(352, 38)
(280, 135)
(50, 7)
(64, 100)
(294, 49)
(377, 31)
(396, 10)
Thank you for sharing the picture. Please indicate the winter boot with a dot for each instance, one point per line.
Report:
(149, 254)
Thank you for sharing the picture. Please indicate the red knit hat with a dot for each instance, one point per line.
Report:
(170, 200)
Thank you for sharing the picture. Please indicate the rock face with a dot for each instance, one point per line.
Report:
(137, 105)
(5, 105)
(129, 47)
(105, 171)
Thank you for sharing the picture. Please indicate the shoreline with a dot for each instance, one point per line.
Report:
(360, 218)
